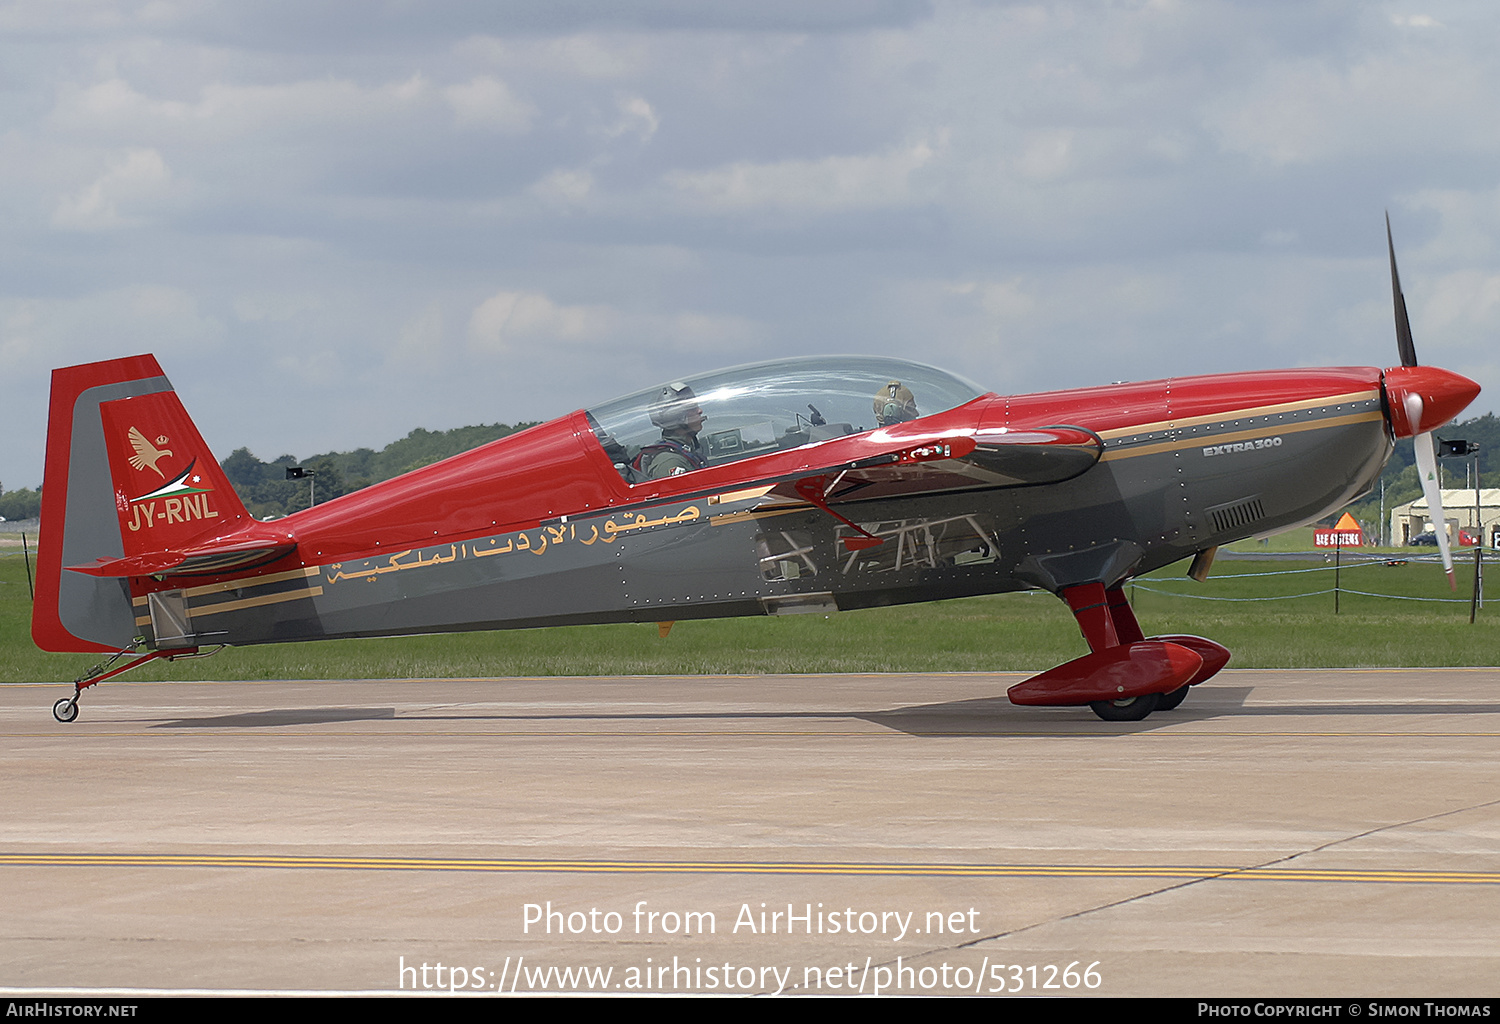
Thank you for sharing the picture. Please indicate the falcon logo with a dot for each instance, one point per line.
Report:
(145, 453)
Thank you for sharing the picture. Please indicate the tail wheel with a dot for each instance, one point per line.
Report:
(1127, 709)
(66, 709)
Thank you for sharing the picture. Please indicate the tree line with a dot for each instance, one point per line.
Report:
(267, 493)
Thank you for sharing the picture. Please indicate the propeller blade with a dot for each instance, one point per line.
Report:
(1427, 470)
(1447, 392)
(1404, 343)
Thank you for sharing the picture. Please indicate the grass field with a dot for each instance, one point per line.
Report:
(1027, 631)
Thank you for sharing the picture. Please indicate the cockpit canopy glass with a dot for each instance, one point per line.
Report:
(733, 414)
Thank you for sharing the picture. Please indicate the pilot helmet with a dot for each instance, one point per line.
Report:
(894, 403)
(673, 405)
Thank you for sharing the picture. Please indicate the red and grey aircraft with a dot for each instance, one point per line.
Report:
(803, 485)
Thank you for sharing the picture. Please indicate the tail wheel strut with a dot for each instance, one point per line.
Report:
(66, 709)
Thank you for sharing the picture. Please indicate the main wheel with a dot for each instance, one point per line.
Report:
(66, 709)
(1168, 701)
(1128, 709)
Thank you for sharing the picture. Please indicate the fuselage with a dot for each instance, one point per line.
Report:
(544, 528)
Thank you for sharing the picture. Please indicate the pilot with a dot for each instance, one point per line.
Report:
(894, 403)
(676, 411)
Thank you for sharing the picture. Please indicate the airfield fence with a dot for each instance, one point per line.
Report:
(1336, 590)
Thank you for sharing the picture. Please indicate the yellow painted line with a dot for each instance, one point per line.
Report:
(1195, 872)
(1209, 440)
(1356, 875)
(1259, 410)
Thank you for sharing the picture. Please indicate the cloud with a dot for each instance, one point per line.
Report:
(276, 307)
(1315, 109)
(542, 202)
(338, 25)
(1465, 303)
(117, 321)
(135, 179)
(510, 320)
(1468, 227)
(1415, 21)
(830, 183)
(577, 55)
(486, 102)
(230, 110)
(636, 118)
(598, 338)
(420, 342)
(1047, 154)
(565, 187)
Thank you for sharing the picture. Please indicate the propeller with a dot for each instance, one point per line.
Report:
(1413, 405)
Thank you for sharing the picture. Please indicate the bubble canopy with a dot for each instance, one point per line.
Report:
(774, 406)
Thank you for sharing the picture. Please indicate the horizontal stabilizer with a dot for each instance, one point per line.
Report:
(200, 560)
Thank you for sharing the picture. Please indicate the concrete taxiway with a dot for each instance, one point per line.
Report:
(1282, 833)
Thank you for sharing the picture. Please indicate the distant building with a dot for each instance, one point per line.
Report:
(1411, 519)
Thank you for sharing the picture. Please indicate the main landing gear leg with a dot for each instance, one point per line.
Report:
(66, 709)
(1129, 631)
(1215, 655)
(1126, 676)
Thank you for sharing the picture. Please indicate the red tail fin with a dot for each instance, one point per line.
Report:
(130, 490)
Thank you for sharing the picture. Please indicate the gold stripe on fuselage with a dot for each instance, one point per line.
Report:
(198, 611)
(1209, 440)
(242, 584)
(1239, 414)
(759, 513)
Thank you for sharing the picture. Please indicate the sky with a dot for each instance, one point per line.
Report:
(335, 222)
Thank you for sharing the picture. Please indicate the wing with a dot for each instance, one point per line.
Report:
(904, 462)
(962, 461)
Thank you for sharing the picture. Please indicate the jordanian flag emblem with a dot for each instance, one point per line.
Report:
(183, 483)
